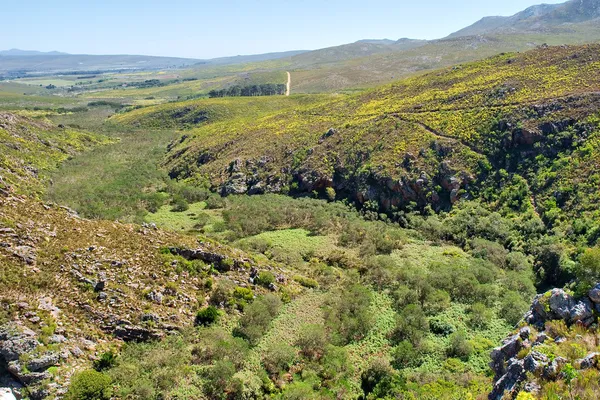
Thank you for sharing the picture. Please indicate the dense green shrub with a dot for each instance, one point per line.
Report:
(257, 317)
(179, 204)
(479, 316)
(89, 385)
(312, 341)
(207, 316)
(107, 360)
(265, 278)
(278, 357)
(411, 325)
(459, 346)
(348, 314)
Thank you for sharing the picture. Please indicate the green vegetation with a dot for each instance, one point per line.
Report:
(89, 385)
(423, 217)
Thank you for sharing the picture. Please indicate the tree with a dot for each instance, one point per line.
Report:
(348, 315)
(588, 268)
(312, 341)
(411, 325)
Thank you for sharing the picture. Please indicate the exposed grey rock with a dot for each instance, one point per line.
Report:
(541, 338)
(131, 333)
(155, 296)
(509, 382)
(16, 342)
(509, 349)
(26, 378)
(590, 361)
(76, 351)
(532, 387)
(582, 312)
(150, 317)
(552, 370)
(7, 394)
(525, 332)
(235, 185)
(535, 362)
(594, 294)
(561, 304)
(43, 362)
(26, 253)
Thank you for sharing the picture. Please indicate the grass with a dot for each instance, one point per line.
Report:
(117, 181)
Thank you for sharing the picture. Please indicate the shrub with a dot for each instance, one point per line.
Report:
(512, 307)
(107, 360)
(479, 316)
(306, 282)
(207, 316)
(404, 355)
(411, 325)
(348, 314)
(265, 278)
(330, 193)
(278, 357)
(89, 385)
(440, 327)
(460, 346)
(179, 204)
(312, 341)
(257, 317)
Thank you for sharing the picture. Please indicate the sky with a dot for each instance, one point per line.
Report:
(207, 29)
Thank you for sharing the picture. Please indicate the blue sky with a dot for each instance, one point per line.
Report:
(206, 29)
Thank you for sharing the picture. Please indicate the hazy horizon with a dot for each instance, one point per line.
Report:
(204, 30)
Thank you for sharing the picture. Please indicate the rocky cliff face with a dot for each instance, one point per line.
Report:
(536, 355)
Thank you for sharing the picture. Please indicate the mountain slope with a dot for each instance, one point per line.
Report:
(538, 18)
(428, 140)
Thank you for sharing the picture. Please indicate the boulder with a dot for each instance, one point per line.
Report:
(509, 349)
(582, 312)
(508, 383)
(535, 362)
(7, 394)
(594, 294)
(131, 333)
(590, 361)
(552, 370)
(16, 342)
(561, 304)
(43, 362)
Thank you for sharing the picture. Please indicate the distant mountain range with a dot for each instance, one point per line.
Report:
(540, 18)
(365, 62)
(19, 52)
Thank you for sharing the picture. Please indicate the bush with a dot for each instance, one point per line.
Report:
(460, 346)
(257, 317)
(348, 315)
(306, 282)
(440, 327)
(107, 360)
(278, 357)
(411, 325)
(89, 385)
(265, 278)
(312, 341)
(207, 316)
(179, 204)
(479, 316)
(405, 355)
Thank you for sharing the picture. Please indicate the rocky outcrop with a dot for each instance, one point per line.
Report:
(19, 356)
(559, 305)
(511, 371)
(222, 263)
